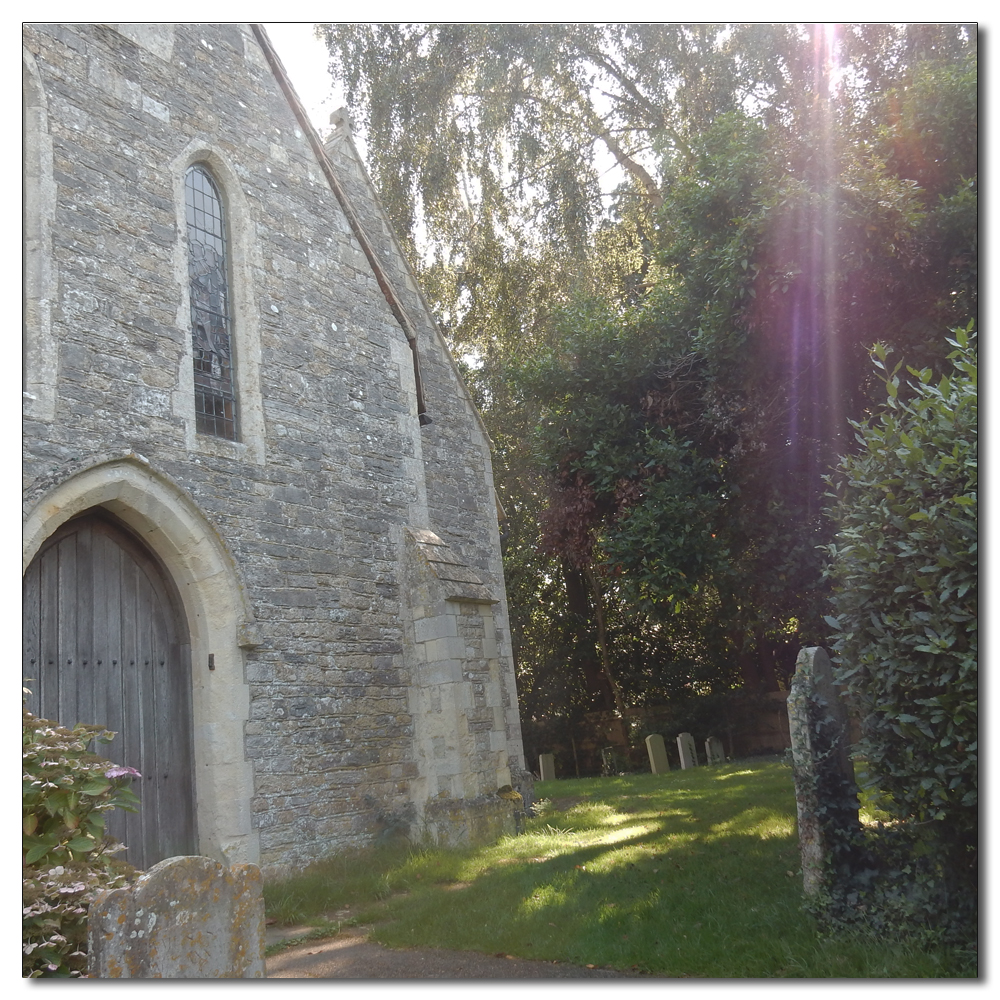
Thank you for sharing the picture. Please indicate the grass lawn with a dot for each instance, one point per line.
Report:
(691, 873)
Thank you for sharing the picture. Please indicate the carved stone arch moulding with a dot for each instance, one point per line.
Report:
(244, 264)
(220, 622)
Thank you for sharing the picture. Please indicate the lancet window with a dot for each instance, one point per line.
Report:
(211, 316)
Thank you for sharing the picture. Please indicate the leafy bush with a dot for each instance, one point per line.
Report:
(905, 571)
(66, 794)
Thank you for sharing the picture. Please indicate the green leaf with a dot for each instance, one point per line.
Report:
(96, 786)
(35, 852)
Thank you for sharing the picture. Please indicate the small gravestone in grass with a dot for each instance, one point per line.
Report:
(826, 797)
(714, 754)
(686, 751)
(658, 762)
(546, 767)
(185, 918)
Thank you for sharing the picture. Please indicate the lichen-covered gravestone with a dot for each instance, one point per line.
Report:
(185, 918)
(826, 796)
(714, 753)
(658, 762)
(686, 751)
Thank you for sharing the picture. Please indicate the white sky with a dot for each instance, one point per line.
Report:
(305, 60)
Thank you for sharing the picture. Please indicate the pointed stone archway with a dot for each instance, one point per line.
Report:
(197, 567)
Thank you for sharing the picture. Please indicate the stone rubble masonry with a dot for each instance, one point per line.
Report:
(185, 918)
(456, 446)
(314, 507)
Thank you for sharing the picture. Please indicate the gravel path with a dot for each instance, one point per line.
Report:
(353, 956)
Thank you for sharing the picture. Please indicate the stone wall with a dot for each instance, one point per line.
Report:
(310, 509)
(456, 462)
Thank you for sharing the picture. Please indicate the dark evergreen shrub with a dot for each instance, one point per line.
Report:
(905, 573)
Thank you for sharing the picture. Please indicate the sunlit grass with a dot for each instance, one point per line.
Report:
(692, 873)
(871, 811)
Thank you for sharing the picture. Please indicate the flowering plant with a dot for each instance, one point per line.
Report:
(66, 793)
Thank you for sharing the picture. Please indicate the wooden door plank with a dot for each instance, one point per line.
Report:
(67, 710)
(48, 683)
(151, 714)
(108, 694)
(82, 669)
(108, 638)
(176, 772)
(132, 746)
(31, 635)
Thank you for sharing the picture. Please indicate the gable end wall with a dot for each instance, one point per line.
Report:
(315, 505)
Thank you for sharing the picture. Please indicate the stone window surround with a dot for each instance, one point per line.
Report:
(244, 262)
(40, 281)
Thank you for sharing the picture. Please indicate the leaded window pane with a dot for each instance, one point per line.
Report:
(214, 378)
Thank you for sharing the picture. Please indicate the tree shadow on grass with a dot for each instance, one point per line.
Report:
(668, 898)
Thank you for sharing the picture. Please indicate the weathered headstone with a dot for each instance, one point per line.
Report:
(826, 797)
(658, 762)
(185, 918)
(686, 751)
(524, 782)
(547, 767)
(714, 753)
(611, 763)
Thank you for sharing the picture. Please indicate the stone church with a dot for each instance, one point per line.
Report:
(260, 531)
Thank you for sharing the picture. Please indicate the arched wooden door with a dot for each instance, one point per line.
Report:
(106, 642)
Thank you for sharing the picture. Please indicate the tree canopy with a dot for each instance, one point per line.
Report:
(664, 251)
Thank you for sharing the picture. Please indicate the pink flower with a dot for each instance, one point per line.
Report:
(121, 771)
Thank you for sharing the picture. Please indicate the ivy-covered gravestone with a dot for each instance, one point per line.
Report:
(826, 796)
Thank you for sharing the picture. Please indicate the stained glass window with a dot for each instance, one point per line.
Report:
(211, 322)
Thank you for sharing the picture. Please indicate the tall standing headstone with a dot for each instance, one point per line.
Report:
(686, 751)
(185, 918)
(658, 762)
(826, 796)
(714, 753)
(547, 767)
